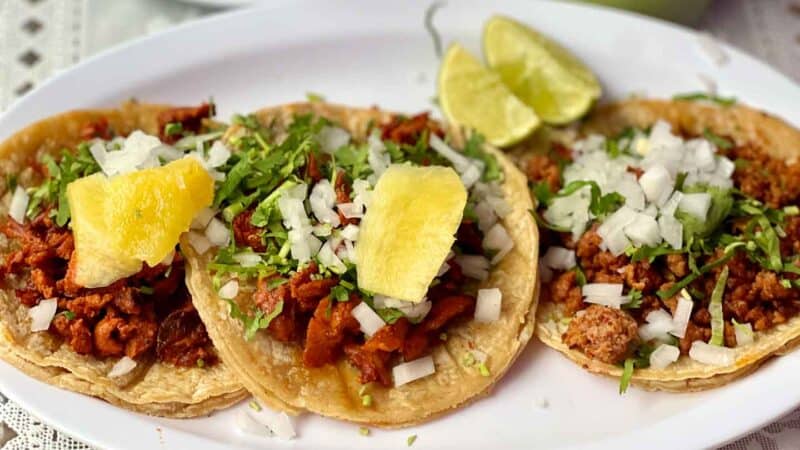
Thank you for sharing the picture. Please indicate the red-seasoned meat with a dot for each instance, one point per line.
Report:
(327, 330)
(247, 234)
(602, 333)
(190, 118)
(409, 130)
(372, 365)
(182, 339)
(284, 326)
(389, 338)
(98, 129)
(544, 169)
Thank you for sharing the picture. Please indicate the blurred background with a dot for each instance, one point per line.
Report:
(40, 37)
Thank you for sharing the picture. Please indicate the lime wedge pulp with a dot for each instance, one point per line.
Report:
(474, 96)
(544, 75)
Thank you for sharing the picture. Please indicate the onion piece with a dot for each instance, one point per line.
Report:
(474, 266)
(744, 333)
(655, 181)
(471, 175)
(671, 205)
(247, 424)
(217, 233)
(683, 311)
(247, 259)
(199, 242)
(218, 155)
(351, 210)
(19, 205)
(488, 305)
(486, 215)
(671, 230)
(277, 422)
(201, 220)
(460, 162)
(713, 355)
(42, 314)
(664, 355)
(611, 302)
(602, 289)
(328, 258)
(322, 200)
(350, 232)
(332, 138)
(643, 231)
(696, 204)
(659, 325)
(122, 367)
(498, 240)
(369, 321)
(413, 370)
(229, 290)
(559, 258)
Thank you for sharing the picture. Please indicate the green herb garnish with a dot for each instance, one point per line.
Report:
(694, 96)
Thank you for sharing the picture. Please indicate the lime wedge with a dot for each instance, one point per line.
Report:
(474, 96)
(544, 75)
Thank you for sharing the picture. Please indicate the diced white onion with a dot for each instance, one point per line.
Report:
(602, 289)
(414, 311)
(42, 314)
(659, 325)
(486, 215)
(474, 266)
(671, 204)
(683, 311)
(460, 162)
(201, 220)
(643, 231)
(218, 155)
(499, 241)
(664, 355)
(714, 355)
(470, 176)
(199, 242)
(19, 205)
(744, 333)
(488, 305)
(322, 200)
(327, 257)
(377, 157)
(351, 210)
(696, 204)
(413, 370)
(350, 232)
(500, 205)
(332, 138)
(363, 192)
(611, 302)
(217, 233)
(138, 151)
(229, 290)
(322, 230)
(122, 367)
(277, 422)
(247, 424)
(247, 259)
(671, 230)
(655, 181)
(369, 321)
(559, 258)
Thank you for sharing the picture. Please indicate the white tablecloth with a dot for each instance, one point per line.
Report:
(41, 37)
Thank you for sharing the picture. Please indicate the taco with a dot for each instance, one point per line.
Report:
(441, 302)
(671, 242)
(132, 339)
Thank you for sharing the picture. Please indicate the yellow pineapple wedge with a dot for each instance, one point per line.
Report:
(120, 222)
(408, 230)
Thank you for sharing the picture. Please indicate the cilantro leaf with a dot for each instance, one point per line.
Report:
(719, 141)
(694, 96)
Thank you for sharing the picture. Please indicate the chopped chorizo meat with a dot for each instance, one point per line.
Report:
(389, 338)
(409, 130)
(442, 312)
(98, 129)
(564, 289)
(183, 341)
(246, 234)
(603, 333)
(190, 118)
(544, 169)
(326, 332)
(284, 326)
(110, 321)
(372, 365)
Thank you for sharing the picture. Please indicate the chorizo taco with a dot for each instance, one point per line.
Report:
(77, 309)
(377, 274)
(671, 242)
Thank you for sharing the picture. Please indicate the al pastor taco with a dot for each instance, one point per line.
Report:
(78, 309)
(671, 242)
(376, 274)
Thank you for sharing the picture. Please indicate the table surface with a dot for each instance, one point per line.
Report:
(40, 37)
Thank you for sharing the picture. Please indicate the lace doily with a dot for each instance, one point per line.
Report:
(24, 432)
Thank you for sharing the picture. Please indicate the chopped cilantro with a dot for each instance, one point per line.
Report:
(340, 293)
(200, 363)
(69, 315)
(635, 299)
(254, 405)
(146, 290)
(474, 149)
(484, 370)
(255, 322)
(390, 315)
(600, 205)
(366, 400)
(411, 439)
(719, 141)
(173, 128)
(364, 431)
(468, 360)
(627, 374)
(313, 97)
(694, 96)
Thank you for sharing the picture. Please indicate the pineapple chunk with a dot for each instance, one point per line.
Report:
(120, 222)
(408, 230)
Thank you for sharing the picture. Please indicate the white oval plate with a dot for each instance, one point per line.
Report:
(365, 53)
